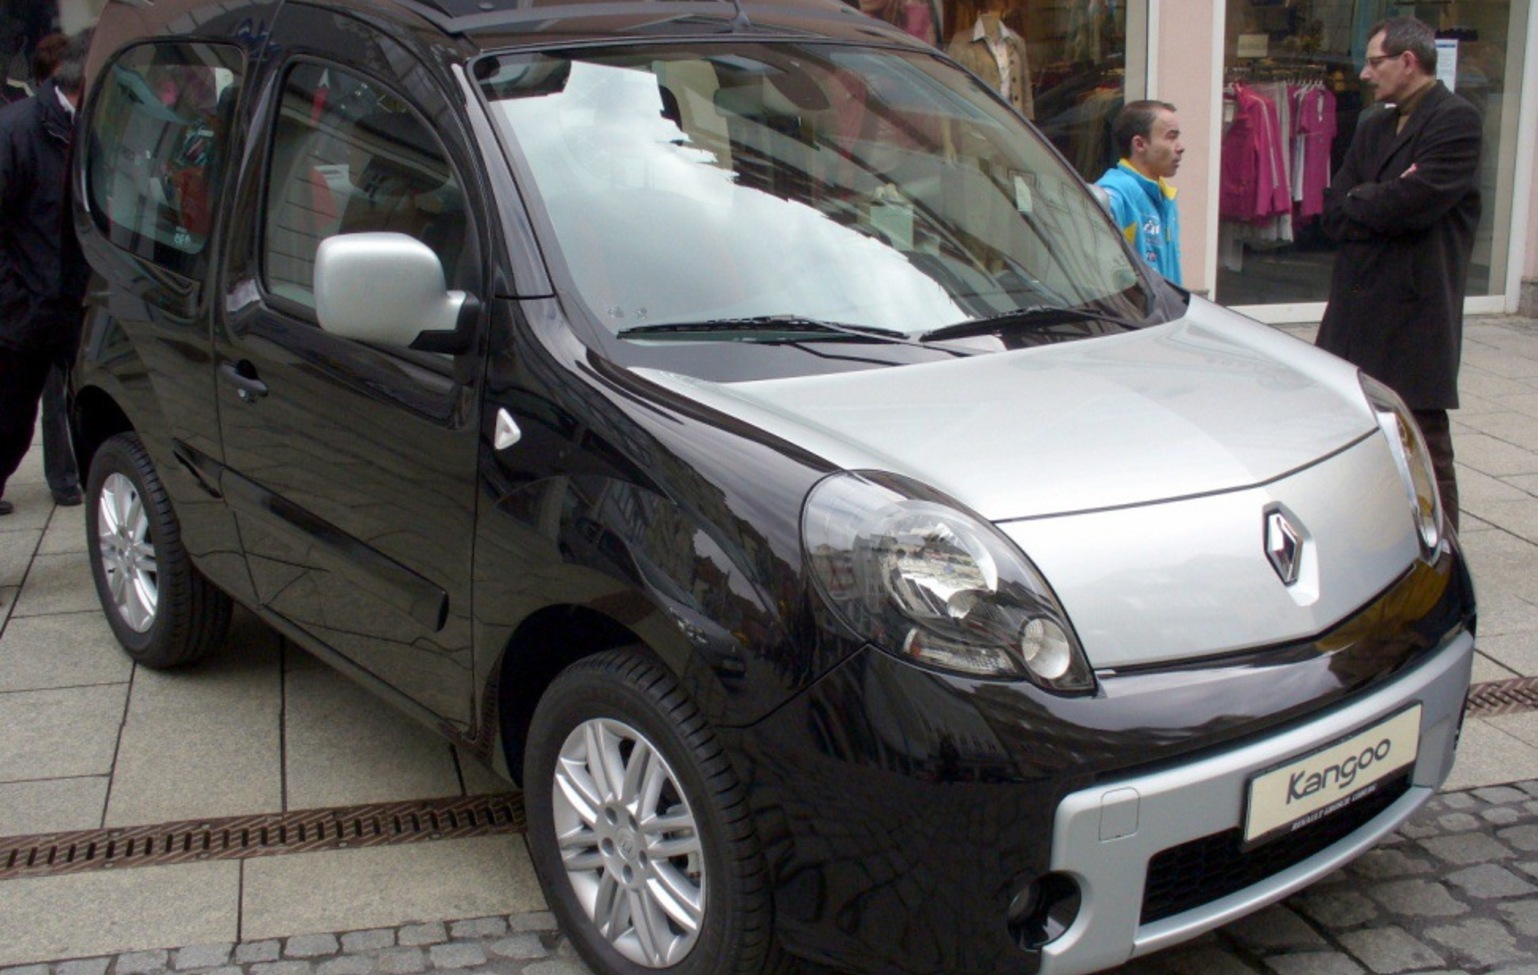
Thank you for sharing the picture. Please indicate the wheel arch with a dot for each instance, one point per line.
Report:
(96, 417)
(548, 642)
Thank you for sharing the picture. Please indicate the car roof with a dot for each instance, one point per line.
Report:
(543, 19)
(510, 24)
(498, 23)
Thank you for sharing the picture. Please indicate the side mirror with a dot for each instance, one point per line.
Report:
(387, 288)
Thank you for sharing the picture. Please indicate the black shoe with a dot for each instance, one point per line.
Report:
(67, 498)
(6, 507)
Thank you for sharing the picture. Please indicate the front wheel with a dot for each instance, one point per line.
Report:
(639, 828)
(162, 610)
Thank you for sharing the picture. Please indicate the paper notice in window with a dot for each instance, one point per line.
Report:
(1447, 62)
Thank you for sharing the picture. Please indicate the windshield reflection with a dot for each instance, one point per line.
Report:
(703, 182)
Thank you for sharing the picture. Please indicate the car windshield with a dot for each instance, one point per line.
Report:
(701, 183)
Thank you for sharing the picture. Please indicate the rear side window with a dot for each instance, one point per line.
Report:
(349, 156)
(157, 148)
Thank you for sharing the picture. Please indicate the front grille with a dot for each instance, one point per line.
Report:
(1201, 871)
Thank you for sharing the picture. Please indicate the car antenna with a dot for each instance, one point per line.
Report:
(741, 21)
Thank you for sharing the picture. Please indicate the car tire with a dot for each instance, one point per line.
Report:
(160, 607)
(594, 841)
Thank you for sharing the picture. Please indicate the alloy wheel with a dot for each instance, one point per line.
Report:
(127, 553)
(629, 842)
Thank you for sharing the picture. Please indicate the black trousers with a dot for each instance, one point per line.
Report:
(1437, 429)
(22, 378)
(58, 449)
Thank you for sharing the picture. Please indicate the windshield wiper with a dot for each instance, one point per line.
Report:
(755, 327)
(1036, 316)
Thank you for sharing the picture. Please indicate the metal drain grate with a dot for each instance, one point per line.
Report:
(1502, 697)
(239, 837)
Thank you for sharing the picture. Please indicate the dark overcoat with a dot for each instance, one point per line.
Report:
(43, 274)
(1396, 295)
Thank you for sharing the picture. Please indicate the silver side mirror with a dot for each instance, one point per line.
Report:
(385, 288)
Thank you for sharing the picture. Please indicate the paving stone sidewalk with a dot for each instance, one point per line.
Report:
(1455, 890)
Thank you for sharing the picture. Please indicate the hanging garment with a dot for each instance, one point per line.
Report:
(996, 54)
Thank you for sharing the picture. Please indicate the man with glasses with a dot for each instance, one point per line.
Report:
(1404, 207)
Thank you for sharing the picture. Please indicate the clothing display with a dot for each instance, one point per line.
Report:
(919, 18)
(997, 55)
(1275, 163)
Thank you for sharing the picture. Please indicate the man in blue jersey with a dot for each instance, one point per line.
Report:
(1148, 135)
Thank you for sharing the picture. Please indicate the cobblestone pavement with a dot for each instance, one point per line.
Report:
(1455, 890)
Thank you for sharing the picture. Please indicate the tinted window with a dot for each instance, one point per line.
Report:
(348, 157)
(158, 133)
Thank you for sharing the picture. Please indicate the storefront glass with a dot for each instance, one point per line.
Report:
(1302, 58)
(1067, 64)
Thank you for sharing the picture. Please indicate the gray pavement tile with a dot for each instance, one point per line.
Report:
(1503, 613)
(366, 888)
(1514, 651)
(1476, 487)
(1496, 363)
(108, 911)
(65, 534)
(1517, 517)
(52, 805)
(1523, 403)
(1470, 406)
(30, 471)
(1510, 426)
(62, 650)
(1513, 333)
(1313, 963)
(1522, 726)
(342, 746)
(214, 730)
(1487, 755)
(1487, 668)
(57, 584)
(16, 549)
(1482, 941)
(574, 966)
(34, 505)
(1389, 950)
(1493, 456)
(53, 734)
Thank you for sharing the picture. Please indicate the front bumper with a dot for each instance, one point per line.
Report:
(1174, 807)
(902, 811)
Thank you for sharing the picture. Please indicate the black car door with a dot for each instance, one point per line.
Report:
(352, 466)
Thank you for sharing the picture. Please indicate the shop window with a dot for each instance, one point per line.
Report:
(1292, 99)
(1061, 63)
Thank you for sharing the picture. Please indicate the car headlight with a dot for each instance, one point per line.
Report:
(927, 582)
(1411, 457)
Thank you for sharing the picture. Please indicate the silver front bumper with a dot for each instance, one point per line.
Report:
(1145, 815)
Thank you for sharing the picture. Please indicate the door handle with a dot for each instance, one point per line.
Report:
(242, 375)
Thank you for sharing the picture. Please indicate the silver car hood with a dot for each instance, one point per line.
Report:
(1137, 472)
(1210, 403)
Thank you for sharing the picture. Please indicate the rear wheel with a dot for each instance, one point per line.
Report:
(639, 828)
(162, 610)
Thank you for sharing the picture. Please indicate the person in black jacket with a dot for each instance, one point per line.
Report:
(1404, 206)
(42, 271)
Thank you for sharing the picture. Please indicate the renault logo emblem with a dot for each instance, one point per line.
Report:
(1284, 545)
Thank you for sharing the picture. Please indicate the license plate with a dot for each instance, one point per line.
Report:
(1330, 779)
